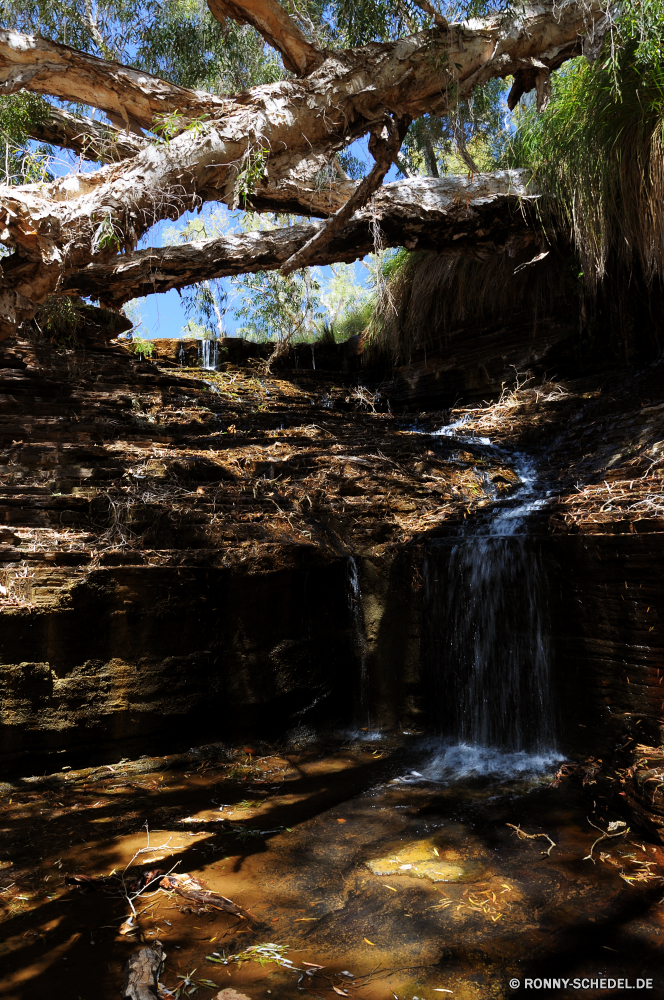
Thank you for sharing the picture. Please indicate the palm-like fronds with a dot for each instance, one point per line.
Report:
(597, 154)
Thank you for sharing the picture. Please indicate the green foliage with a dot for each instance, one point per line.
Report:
(60, 319)
(642, 22)
(277, 307)
(178, 40)
(204, 303)
(430, 146)
(250, 173)
(186, 45)
(106, 236)
(347, 303)
(196, 331)
(354, 167)
(22, 162)
(141, 346)
(597, 154)
(261, 953)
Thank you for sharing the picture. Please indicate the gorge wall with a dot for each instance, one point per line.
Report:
(177, 550)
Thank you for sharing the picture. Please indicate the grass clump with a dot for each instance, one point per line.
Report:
(597, 155)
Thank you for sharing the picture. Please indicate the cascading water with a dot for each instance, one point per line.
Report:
(209, 354)
(488, 649)
(359, 638)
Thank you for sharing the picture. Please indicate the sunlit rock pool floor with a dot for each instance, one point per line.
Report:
(396, 884)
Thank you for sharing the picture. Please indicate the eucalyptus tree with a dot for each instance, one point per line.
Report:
(194, 113)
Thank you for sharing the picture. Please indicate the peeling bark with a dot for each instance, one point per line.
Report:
(90, 139)
(276, 27)
(384, 149)
(62, 226)
(141, 973)
(28, 62)
(455, 215)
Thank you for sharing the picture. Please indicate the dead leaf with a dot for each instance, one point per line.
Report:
(370, 942)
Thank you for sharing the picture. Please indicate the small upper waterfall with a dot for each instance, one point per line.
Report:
(488, 655)
(209, 354)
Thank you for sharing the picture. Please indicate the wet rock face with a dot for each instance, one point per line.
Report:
(175, 545)
(136, 653)
(608, 624)
(186, 555)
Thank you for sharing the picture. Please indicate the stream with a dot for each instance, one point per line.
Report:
(377, 865)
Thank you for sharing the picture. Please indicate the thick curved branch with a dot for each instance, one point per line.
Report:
(28, 62)
(90, 139)
(277, 28)
(385, 149)
(477, 217)
(438, 19)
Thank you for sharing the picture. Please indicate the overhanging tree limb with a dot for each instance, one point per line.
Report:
(477, 216)
(61, 227)
(384, 148)
(28, 62)
(277, 28)
(90, 139)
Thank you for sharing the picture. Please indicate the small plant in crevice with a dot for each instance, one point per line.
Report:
(171, 124)
(143, 347)
(250, 173)
(106, 236)
(60, 319)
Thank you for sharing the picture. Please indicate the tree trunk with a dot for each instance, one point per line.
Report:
(141, 973)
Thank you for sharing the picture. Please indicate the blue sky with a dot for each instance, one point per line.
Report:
(163, 315)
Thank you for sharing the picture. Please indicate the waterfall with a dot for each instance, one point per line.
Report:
(209, 354)
(181, 356)
(359, 638)
(488, 658)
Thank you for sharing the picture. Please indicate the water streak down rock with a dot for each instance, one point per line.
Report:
(488, 642)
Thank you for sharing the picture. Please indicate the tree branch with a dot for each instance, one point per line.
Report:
(60, 227)
(438, 19)
(384, 148)
(277, 28)
(28, 62)
(454, 215)
(90, 139)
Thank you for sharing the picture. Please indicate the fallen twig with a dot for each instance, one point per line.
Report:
(533, 836)
(193, 889)
(606, 834)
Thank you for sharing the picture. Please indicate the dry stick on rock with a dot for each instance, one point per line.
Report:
(196, 891)
(141, 973)
(384, 145)
(533, 836)
(617, 828)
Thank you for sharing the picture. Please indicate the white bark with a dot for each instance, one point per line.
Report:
(60, 227)
(477, 216)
